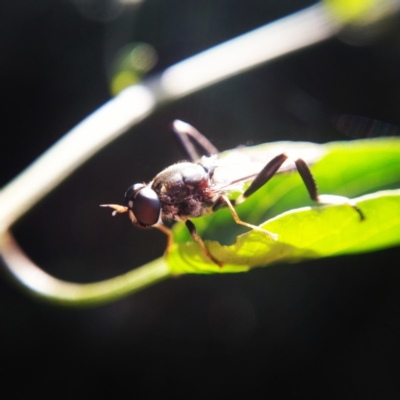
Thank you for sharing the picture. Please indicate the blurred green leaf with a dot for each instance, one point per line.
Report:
(348, 168)
(132, 62)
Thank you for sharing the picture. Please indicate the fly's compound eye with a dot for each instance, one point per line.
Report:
(131, 192)
(144, 204)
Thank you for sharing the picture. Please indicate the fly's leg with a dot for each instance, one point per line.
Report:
(185, 132)
(311, 186)
(265, 175)
(237, 219)
(272, 168)
(170, 237)
(192, 230)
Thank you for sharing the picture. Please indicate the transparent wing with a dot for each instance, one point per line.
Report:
(241, 165)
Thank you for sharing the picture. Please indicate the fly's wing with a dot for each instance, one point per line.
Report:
(236, 167)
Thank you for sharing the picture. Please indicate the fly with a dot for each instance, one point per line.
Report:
(198, 187)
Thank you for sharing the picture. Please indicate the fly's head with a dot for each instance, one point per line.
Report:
(143, 205)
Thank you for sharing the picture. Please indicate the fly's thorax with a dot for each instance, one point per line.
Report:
(185, 190)
(179, 180)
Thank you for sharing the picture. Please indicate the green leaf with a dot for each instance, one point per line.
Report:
(349, 169)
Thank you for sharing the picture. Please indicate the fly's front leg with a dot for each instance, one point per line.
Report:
(170, 237)
(199, 240)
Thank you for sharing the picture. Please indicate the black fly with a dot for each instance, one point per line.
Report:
(200, 186)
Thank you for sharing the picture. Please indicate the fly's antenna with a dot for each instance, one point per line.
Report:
(116, 207)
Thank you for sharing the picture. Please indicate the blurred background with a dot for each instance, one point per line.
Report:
(323, 329)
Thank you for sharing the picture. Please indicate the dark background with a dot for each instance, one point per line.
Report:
(321, 329)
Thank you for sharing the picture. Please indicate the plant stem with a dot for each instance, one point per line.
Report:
(46, 287)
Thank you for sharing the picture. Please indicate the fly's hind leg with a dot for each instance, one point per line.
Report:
(261, 179)
(272, 168)
(312, 189)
